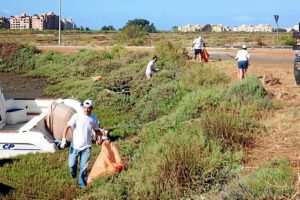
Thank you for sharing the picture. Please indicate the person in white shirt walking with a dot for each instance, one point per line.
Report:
(242, 57)
(197, 44)
(82, 125)
(151, 67)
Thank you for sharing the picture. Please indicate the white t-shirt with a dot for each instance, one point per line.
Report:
(150, 67)
(198, 42)
(83, 126)
(242, 55)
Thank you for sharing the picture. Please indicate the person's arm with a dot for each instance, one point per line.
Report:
(64, 135)
(98, 136)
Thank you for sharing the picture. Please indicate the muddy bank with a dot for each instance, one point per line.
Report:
(18, 86)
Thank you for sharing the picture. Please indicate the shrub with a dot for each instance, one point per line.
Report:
(160, 101)
(194, 103)
(134, 35)
(271, 181)
(194, 76)
(248, 91)
(231, 130)
(168, 51)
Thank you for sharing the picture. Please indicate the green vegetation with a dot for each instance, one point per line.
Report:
(182, 132)
(271, 181)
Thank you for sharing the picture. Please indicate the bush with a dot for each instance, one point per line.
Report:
(250, 90)
(271, 181)
(168, 51)
(134, 35)
(230, 130)
(193, 104)
(194, 76)
(160, 101)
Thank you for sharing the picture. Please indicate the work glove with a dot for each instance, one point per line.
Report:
(63, 143)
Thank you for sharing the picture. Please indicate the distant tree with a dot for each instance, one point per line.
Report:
(87, 29)
(108, 28)
(206, 28)
(175, 28)
(81, 28)
(143, 24)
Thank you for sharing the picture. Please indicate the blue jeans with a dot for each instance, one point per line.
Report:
(84, 162)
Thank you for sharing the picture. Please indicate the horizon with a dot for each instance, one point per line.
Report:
(164, 15)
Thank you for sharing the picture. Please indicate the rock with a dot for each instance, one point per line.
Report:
(270, 80)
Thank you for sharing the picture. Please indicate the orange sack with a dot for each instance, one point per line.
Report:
(204, 55)
(108, 162)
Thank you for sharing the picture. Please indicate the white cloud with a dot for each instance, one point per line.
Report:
(244, 18)
(5, 11)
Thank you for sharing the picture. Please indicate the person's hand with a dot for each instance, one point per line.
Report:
(63, 143)
(99, 140)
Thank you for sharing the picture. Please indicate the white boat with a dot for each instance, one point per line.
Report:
(22, 125)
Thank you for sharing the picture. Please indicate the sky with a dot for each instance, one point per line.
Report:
(163, 13)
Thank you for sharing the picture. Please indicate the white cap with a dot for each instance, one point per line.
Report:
(244, 47)
(88, 103)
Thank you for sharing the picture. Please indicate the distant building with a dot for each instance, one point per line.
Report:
(4, 22)
(38, 22)
(190, 28)
(68, 24)
(263, 28)
(52, 20)
(20, 22)
(219, 28)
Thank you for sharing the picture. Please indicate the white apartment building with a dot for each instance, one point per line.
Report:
(190, 28)
(20, 22)
(219, 28)
(68, 24)
(263, 28)
(251, 28)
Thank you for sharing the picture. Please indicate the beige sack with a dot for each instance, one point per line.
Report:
(57, 119)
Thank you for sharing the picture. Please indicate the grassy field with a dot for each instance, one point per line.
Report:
(182, 133)
(100, 38)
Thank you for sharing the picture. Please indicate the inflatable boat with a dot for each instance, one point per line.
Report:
(33, 125)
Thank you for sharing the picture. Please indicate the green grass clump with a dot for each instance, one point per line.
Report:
(247, 91)
(160, 101)
(272, 181)
(195, 75)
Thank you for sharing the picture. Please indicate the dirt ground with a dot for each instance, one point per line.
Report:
(281, 138)
(18, 86)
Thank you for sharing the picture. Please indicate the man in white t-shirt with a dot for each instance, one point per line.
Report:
(242, 57)
(197, 44)
(151, 67)
(82, 125)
